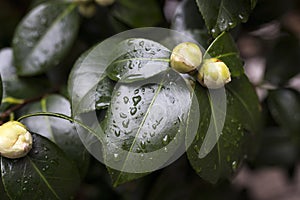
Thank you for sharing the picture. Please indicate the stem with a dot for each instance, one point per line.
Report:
(61, 116)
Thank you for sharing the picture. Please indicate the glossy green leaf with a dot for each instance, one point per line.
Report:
(59, 131)
(242, 117)
(103, 93)
(283, 61)
(143, 118)
(224, 48)
(139, 59)
(136, 13)
(3, 194)
(184, 21)
(222, 15)
(284, 105)
(19, 87)
(44, 37)
(45, 173)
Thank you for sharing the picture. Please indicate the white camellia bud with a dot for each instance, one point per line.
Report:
(186, 57)
(15, 140)
(105, 2)
(213, 74)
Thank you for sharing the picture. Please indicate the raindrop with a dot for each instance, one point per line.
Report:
(230, 24)
(143, 144)
(136, 100)
(213, 30)
(141, 43)
(130, 42)
(123, 115)
(25, 182)
(45, 149)
(241, 16)
(116, 156)
(166, 149)
(133, 110)
(154, 126)
(125, 123)
(36, 151)
(234, 165)
(165, 139)
(126, 99)
(136, 91)
(117, 133)
(152, 134)
(24, 188)
(118, 93)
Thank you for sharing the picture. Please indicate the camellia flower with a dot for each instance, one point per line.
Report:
(15, 140)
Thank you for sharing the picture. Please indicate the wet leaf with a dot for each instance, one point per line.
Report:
(103, 93)
(44, 37)
(222, 15)
(224, 48)
(138, 59)
(136, 13)
(45, 173)
(15, 86)
(59, 131)
(144, 125)
(218, 151)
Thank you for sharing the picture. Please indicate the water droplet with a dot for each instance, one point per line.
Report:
(213, 30)
(230, 24)
(133, 110)
(143, 144)
(123, 115)
(36, 151)
(46, 157)
(165, 139)
(126, 99)
(141, 43)
(136, 100)
(136, 91)
(118, 93)
(25, 182)
(154, 126)
(125, 123)
(152, 134)
(241, 16)
(45, 149)
(24, 188)
(234, 165)
(117, 133)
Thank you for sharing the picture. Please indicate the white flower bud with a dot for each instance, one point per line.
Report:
(214, 73)
(186, 57)
(105, 2)
(15, 140)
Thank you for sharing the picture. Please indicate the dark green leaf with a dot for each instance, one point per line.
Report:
(59, 131)
(224, 48)
(19, 87)
(217, 152)
(136, 13)
(145, 118)
(222, 15)
(284, 105)
(138, 59)
(45, 173)
(3, 194)
(188, 19)
(103, 93)
(44, 37)
(284, 60)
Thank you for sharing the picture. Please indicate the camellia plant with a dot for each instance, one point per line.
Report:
(97, 103)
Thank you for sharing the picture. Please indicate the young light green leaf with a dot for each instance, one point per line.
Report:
(136, 13)
(242, 117)
(44, 37)
(222, 15)
(224, 48)
(45, 173)
(138, 59)
(59, 131)
(144, 122)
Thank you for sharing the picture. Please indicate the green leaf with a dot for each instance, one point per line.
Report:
(224, 48)
(217, 152)
(184, 21)
(103, 93)
(19, 87)
(284, 60)
(284, 105)
(3, 194)
(45, 173)
(44, 36)
(138, 59)
(136, 13)
(59, 131)
(144, 125)
(222, 15)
